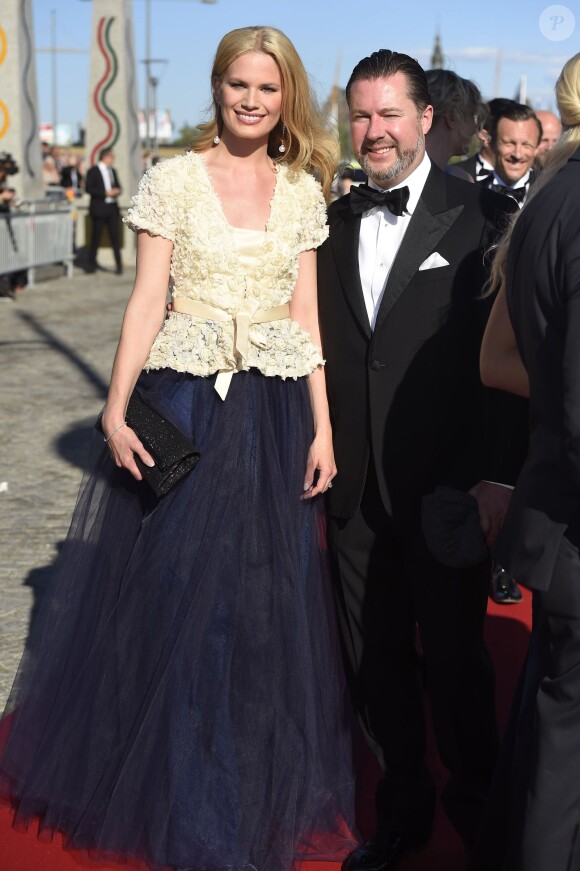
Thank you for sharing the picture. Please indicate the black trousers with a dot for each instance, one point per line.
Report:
(110, 219)
(551, 814)
(385, 589)
(533, 816)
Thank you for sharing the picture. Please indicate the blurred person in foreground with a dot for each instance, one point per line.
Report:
(532, 348)
(185, 702)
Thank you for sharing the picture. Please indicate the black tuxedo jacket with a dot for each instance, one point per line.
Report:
(543, 294)
(410, 391)
(95, 186)
(66, 178)
(469, 165)
(487, 183)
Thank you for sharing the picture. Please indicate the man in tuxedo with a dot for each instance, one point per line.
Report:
(103, 186)
(516, 133)
(400, 280)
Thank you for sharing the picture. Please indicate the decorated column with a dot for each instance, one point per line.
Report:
(18, 97)
(112, 113)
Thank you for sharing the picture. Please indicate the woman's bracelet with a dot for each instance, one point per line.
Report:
(112, 433)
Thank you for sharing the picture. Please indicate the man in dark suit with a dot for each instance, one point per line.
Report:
(103, 186)
(400, 280)
(71, 175)
(515, 132)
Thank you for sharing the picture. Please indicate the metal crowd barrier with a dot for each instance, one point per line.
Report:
(33, 236)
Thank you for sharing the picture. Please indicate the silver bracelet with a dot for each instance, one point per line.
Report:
(106, 438)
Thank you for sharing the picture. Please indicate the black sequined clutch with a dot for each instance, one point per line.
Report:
(173, 453)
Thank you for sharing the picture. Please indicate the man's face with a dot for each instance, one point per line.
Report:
(516, 146)
(109, 158)
(388, 133)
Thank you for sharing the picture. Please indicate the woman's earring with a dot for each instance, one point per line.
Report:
(216, 139)
(282, 147)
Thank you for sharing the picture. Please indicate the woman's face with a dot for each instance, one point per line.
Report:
(250, 97)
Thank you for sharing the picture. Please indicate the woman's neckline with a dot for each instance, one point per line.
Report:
(220, 204)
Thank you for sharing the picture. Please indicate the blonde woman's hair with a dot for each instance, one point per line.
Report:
(568, 101)
(309, 145)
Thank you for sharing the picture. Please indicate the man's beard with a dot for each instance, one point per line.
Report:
(404, 161)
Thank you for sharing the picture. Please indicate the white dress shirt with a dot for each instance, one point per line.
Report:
(381, 234)
(108, 179)
(482, 168)
(520, 183)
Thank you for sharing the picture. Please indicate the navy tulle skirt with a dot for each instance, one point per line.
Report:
(181, 699)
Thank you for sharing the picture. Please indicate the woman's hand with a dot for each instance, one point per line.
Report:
(321, 460)
(123, 445)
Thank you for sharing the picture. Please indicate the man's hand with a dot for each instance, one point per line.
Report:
(492, 501)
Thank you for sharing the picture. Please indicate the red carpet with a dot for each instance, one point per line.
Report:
(507, 636)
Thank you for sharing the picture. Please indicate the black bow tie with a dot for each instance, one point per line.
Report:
(517, 194)
(363, 198)
(482, 172)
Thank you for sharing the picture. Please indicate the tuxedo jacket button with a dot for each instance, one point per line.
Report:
(375, 365)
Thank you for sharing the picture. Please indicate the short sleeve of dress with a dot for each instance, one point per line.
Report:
(314, 229)
(152, 206)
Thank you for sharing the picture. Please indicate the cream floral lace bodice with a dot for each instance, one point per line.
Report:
(219, 265)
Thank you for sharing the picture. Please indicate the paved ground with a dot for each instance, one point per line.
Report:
(57, 342)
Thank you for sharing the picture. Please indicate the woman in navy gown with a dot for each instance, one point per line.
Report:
(181, 700)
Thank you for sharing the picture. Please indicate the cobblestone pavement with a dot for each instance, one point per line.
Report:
(57, 342)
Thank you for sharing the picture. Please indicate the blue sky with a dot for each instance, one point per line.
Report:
(326, 33)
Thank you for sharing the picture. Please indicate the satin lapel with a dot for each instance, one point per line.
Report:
(344, 236)
(430, 222)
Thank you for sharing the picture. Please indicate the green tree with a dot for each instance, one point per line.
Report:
(186, 135)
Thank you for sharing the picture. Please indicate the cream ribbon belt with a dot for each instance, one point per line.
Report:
(249, 314)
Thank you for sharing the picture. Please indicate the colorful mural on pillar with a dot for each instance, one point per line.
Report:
(106, 82)
(31, 133)
(4, 113)
(112, 120)
(18, 96)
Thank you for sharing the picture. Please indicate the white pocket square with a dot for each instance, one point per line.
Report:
(433, 261)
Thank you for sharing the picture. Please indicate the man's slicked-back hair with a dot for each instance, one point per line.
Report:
(385, 63)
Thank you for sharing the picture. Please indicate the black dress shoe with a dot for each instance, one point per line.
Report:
(504, 590)
(119, 270)
(384, 851)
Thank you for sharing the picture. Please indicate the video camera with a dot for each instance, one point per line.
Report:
(8, 165)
